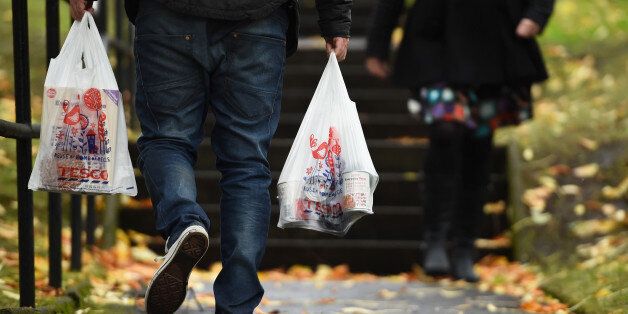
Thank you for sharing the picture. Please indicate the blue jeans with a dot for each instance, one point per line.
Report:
(186, 66)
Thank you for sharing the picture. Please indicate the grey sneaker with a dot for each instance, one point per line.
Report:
(166, 291)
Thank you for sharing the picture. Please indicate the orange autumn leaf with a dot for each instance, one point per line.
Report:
(326, 301)
(300, 272)
(340, 272)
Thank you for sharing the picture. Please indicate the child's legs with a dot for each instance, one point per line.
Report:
(442, 178)
(475, 177)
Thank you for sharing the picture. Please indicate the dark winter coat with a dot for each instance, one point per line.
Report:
(334, 15)
(461, 42)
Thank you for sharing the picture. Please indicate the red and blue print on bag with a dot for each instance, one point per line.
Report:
(328, 180)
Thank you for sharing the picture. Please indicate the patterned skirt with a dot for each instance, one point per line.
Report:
(482, 109)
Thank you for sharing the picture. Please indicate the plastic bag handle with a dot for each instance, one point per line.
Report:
(69, 41)
(75, 36)
(98, 51)
(336, 79)
(96, 46)
(93, 49)
(83, 40)
(74, 48)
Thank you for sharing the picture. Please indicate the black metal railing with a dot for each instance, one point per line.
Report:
(55, 215)
(23, 132)
(24, 150)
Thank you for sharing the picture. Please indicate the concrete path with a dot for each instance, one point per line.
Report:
(380, 296)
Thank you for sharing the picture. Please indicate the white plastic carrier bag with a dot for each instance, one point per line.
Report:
(328, 180)
(83, 141)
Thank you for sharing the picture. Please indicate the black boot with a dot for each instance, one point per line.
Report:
(442, 183)
(436, 261)
(462, 259)
(468, 217)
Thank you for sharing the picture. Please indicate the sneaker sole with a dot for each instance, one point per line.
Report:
(168, 288)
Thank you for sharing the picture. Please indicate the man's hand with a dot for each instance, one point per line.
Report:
(527, 28)
(377, 67)
(78, 8)
(339, 45)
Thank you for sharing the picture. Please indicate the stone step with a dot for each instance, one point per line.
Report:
(387, 223)
(306, 76)
(371, 95)
(368, 100)
(398, 189)
(389, 256)
(374, 126)
(388, 155)
(373, 256)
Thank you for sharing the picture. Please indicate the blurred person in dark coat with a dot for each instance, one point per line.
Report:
(470, 65)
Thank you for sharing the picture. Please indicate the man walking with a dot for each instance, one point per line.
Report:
(227, 56)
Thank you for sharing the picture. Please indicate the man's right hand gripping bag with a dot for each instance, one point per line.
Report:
(328, 180)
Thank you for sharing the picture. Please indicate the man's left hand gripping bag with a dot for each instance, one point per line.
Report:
(83, 141)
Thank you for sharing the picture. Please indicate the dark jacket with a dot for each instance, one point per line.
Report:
(461, 42)
(334, 15)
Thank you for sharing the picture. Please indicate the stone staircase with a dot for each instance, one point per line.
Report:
(386, 242)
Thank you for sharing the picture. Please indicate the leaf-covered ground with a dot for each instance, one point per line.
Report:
(115, 280)
(576, 228)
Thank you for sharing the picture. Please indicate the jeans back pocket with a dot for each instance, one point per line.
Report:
(254, 73)
(166, 69)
